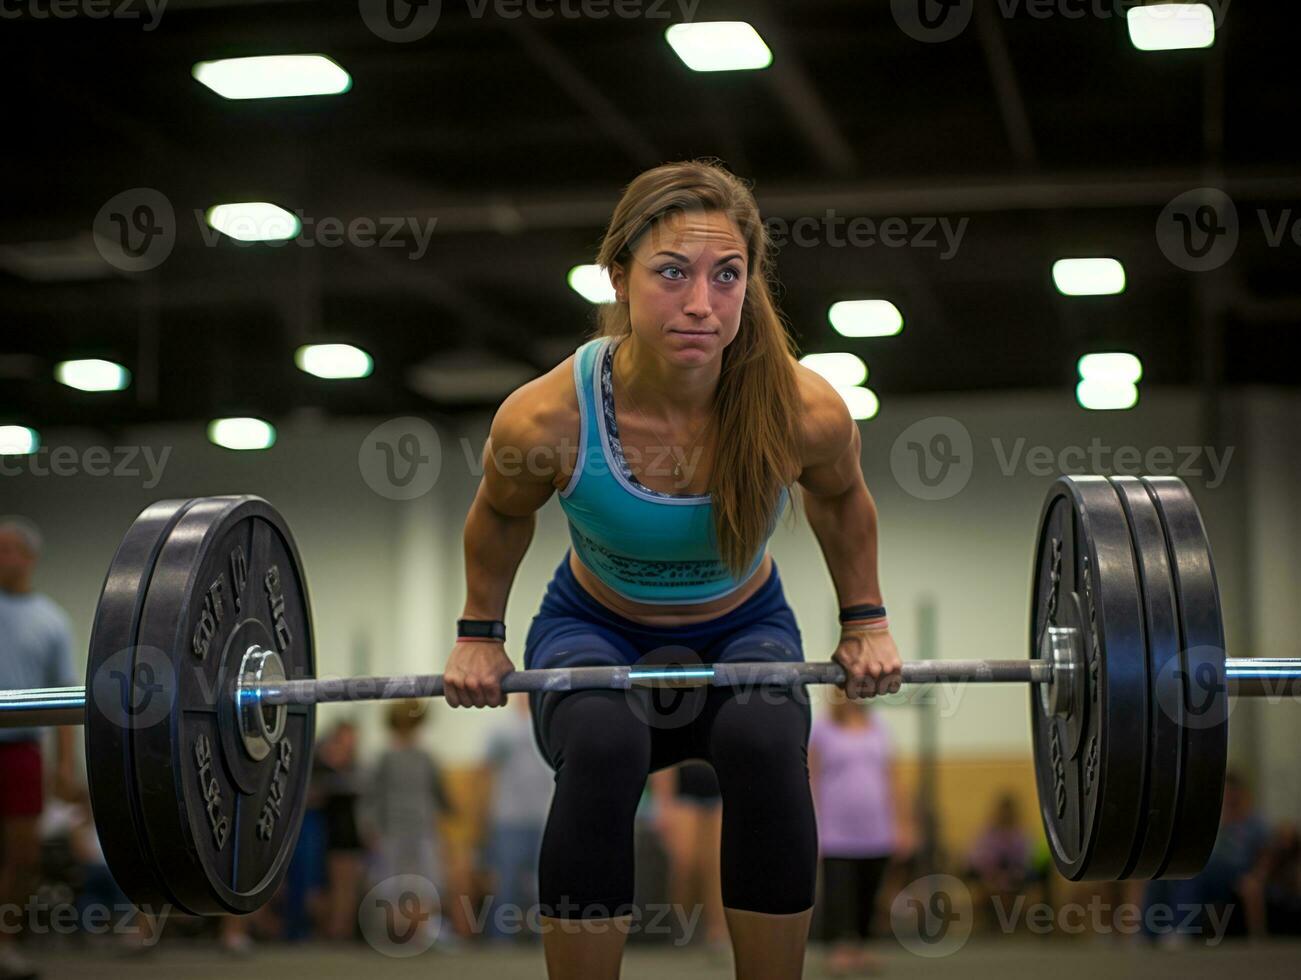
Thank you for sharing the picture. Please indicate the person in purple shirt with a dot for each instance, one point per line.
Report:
(855, 796)
(999, 860)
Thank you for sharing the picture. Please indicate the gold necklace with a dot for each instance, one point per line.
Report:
(677, 463)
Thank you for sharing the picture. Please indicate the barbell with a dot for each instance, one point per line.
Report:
(200, 692)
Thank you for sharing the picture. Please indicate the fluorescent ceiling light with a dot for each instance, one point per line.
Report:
(1171, 26)
(592, 283)
(92, 374)
(241, 433)
(273, 77)
(333, 361)
(865, 318)
(1112, 366)
(719, 46)
(842, 370)
(1089, 277)
(254, 221)
(18, 440)
(1105, 395)
(862, 402)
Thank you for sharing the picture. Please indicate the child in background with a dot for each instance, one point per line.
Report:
(400, 809)
(999, 860)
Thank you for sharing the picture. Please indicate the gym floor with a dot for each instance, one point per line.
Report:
(978, 959)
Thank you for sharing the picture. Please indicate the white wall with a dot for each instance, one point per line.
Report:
(386, 575)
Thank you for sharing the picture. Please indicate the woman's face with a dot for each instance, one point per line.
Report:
(685, 286)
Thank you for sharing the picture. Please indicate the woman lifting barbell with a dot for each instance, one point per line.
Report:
(673, 567)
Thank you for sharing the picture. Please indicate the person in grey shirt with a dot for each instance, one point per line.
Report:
(522, 785)
(399, 812)
(35, 651)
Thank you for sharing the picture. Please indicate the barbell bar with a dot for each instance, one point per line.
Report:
(34, 707)
(199, 703)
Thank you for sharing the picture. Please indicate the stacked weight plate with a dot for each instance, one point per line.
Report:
(1131, 778)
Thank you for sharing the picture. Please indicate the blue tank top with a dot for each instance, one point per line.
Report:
(646, 545)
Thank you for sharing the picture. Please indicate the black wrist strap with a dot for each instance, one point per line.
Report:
(848, 613)
(493, 629)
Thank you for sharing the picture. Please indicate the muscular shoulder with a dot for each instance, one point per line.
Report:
(826, 429)
(542, 412)
(532, 443)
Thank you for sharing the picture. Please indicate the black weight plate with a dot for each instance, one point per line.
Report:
(118, 698)
(220, 827)
(1088, 797)
(1165, 699)
(1205, 716)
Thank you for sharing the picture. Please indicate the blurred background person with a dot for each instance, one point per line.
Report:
(689, 821)
(98, 887)
(1239, 847)
(401, 805)
(522, 784)
(337, 780)
(35, 651)
(852, 775)
(1271, 891)
(999, 861)
(301, 902)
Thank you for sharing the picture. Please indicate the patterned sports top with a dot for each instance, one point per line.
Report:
(646, 545)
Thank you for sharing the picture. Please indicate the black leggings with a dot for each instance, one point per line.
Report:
(603, 744)
(849, 890)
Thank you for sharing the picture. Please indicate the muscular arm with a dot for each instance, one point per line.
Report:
(501, 521)
(836, 499)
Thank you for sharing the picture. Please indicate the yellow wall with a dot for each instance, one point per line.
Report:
(966, 790)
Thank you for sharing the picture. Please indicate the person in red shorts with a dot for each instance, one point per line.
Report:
(35, 651)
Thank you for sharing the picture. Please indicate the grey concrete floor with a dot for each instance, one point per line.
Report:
(980, 958)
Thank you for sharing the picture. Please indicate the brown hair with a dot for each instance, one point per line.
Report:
(406, 715)
(755, 410)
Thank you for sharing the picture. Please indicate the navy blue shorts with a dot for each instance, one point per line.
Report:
(573, 629)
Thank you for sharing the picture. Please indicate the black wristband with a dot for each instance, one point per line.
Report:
(493, 629)
(867, 611)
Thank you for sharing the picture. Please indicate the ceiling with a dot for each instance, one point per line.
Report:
(1049, 136)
